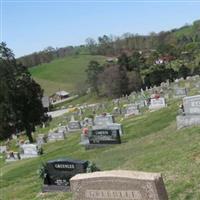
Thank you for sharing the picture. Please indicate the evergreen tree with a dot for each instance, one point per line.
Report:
(20, 97)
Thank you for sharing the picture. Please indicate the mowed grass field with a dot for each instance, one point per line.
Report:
(151, 143)
(63, 74)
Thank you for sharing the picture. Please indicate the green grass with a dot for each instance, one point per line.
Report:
(63, 74)
(151, 143)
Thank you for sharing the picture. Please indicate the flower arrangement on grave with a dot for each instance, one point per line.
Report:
(92, 167)
(42, 171)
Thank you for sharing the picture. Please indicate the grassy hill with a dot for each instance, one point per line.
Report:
(63, 74)
(151, 143)
(188, 30)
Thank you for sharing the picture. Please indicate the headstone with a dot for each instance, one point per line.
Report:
(100, 137)
(197, 85)
(187, 121)
(73, 126)
(180, 92)
(191, 111)
(56, 136)
(192, 105)
(118, 185)
(104, 119)
(62, 129)
(58, 173)
(157, 103)
(116, 126)
(12, 156)
(40, 139)
(141, 103)
(3, 149)
(131, 109)
(29, 151)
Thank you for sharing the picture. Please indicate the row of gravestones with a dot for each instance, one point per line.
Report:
(166, 89)
(34, 150)
(88, 183)
(31, 150)
(26, 151)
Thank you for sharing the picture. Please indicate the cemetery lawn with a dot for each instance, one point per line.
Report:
(151, 143)
(63, 74)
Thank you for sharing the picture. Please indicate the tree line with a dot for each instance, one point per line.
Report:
(131, 73)
(174, 42)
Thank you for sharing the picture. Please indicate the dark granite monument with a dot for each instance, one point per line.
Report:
(101, 137)
(57, 173)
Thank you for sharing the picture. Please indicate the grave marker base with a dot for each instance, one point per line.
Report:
(55, 188)
(25, 156)
(93, 146)
(184, 121)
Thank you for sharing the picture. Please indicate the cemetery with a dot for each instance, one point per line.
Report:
(99, 100)
(140, 141)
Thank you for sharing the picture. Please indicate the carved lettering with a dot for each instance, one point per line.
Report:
(114, 194)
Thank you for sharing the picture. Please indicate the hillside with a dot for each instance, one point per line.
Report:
(188, 30)
(63, 74)
(150, 143)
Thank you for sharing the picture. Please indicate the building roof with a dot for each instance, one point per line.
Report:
(62, 93)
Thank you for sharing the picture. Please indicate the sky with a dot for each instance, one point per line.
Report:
(32, 25)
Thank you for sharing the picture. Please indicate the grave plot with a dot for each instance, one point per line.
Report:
(56, 135)
(131, 109)
(12, 156)
(73, 125)
(30, 151)
(57, 173)
(180, 92)
(100, 137)
(157, 103)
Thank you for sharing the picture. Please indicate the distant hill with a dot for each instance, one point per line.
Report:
(188, 30)
(63, 74)
(64, 68)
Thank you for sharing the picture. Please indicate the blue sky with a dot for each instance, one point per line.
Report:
(32, 25)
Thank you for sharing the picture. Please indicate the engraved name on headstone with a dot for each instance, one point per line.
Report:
(118, 185)
(157, 103)
(192, 105)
